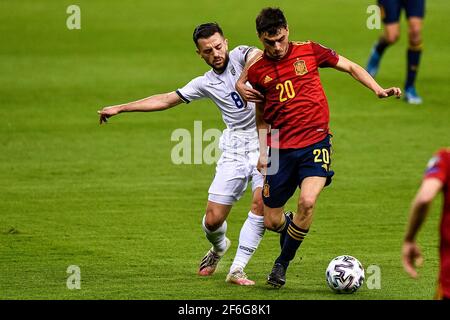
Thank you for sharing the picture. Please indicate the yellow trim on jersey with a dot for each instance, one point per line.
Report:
(300, 43)
(259, 58)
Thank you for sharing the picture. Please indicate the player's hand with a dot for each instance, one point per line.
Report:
(108, 112)
(411, 258)
(262, 164)
(394, 91)
(249, 94)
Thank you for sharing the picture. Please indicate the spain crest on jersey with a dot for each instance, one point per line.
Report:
(266, 190)
(300, 68)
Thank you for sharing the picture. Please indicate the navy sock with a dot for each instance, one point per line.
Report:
(294, 238)
(284, 230)
(381, 46)
(413, 65)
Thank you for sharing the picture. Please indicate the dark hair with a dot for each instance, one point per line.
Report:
(270, 20)
(206, 30)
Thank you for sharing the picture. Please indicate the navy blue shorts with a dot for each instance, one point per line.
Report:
(294, 166)
(391, 9)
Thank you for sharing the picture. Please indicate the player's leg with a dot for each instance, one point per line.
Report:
(250, 236)
(298, 228)
(390, 14)
(273, 218)
(391, 35)
(277, 190)
(415, 11)
(310, 191)
(288, 216)
(313, 173)
(277, 220)
(229, 184)
(253, 228)
(413, 59)
(215, 226)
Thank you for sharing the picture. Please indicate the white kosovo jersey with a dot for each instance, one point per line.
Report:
(221, 89)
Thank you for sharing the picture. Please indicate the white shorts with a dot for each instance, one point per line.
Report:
(236, 167)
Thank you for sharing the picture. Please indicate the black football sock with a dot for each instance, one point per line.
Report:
(284, 230)
(414, 54)
(294, 238)
(381, 46)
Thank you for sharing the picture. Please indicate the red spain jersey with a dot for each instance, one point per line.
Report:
(295, 102)
(439, 167)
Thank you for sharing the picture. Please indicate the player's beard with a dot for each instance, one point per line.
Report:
(224, 65)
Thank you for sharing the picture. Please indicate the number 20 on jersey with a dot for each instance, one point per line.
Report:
(286, 90)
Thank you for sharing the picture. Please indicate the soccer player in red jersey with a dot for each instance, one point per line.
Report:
(292, 102)
(437, 179)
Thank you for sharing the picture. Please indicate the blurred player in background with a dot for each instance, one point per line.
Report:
(436, 180)
(287, 75)
(390, 13)
(239, 143)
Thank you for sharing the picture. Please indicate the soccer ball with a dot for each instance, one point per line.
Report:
(345, 274)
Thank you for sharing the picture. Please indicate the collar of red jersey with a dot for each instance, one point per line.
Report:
(285, 56)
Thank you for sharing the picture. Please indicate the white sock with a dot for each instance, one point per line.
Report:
(251, 234)
(217, 237)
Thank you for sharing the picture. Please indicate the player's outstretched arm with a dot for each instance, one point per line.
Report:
(360, 74)
(154, 103)
(411, 254)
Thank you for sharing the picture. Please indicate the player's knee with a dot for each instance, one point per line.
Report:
(392, 37)
(213, 221)
(415, 37)
(270, 223)
(212, 225)
(306, 204)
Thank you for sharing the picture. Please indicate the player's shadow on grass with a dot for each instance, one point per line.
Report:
(297, 290)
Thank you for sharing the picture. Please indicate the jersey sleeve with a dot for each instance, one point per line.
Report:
(439, 167)
(252, 78)
(325, 57)
(192, 91)
(240, 54)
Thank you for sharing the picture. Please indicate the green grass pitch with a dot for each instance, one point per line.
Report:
(108, 198)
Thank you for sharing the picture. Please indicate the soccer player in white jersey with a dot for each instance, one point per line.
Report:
(239, 145)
